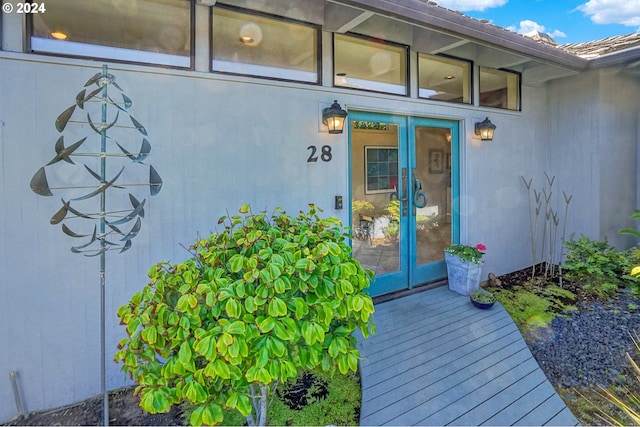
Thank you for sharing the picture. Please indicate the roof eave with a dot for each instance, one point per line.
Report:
(621, 57)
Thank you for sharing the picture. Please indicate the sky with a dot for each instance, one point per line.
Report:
(567, 21)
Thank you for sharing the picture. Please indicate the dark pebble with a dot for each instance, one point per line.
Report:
(589, 347)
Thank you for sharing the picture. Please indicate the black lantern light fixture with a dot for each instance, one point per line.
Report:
(485, 129)
(333, 117)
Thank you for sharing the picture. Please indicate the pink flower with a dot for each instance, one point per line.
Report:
(481, 247)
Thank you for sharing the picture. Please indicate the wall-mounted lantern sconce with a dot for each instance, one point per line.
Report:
(333, 117)
(485, 129)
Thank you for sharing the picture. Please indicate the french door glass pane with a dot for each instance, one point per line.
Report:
(375, 214)
(433, 173)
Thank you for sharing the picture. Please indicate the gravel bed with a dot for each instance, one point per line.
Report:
(588, 347)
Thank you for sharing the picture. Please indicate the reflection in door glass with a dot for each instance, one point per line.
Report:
(433, 172)
(375, 208)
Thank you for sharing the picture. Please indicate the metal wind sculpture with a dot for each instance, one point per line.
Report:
(101, 227)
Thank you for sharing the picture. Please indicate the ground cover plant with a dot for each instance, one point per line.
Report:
(313, 399)
(258, 303)
(533, 305)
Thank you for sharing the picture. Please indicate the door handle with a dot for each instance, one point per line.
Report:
(419, 198)
(404, 201)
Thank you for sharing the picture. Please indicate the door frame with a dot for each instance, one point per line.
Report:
(410, 275)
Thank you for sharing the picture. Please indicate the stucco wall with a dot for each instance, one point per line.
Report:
(496, 200)
(219, 142)
(618, 146)
(217, 145)
(593, 151)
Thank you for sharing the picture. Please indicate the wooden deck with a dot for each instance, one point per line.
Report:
(437, 360)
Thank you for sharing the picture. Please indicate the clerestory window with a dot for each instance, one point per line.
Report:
(142, 31)
(443, 78)
(499, 89)
(264, 46)
(370, 64)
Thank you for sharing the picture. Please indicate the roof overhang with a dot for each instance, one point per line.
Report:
(628, 58)
(449, 22)
(430, 28)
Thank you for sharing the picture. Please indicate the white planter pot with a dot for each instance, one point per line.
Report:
(464, 276)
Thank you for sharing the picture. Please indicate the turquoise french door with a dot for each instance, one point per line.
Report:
(404, 182)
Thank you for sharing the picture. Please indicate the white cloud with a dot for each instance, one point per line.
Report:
(558, 34)
(471, 5)
(625, 12)
(528, 26)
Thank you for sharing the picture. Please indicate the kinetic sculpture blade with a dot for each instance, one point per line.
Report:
(96, 234)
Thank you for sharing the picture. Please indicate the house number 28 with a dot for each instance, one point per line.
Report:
(325, 153)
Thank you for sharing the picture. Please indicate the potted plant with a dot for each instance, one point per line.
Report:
(482, 299)
(464, 267)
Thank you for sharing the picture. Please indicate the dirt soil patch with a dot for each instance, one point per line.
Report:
(124, 410)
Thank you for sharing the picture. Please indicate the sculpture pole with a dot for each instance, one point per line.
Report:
(103, 208)
(98, 236)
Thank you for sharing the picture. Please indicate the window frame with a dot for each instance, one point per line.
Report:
(192, 46)
(407, 76)
(506, 72)
(315, 27)
(366, 168)
(470, 84)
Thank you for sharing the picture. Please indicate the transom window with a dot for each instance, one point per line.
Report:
(363, 63)
(142, 31)
(263, 46)
(381, 169)
(444, 79)
(499, 89)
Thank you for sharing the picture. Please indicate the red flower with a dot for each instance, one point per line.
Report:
(481, 247)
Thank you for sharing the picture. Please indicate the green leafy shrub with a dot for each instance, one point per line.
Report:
(633, 260)
(632, 231)
(596, 266)
(362, 206)
(392, 231)
(633, 255)
(260, 301)
(393, 209)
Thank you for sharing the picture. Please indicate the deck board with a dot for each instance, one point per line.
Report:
(437, 360)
